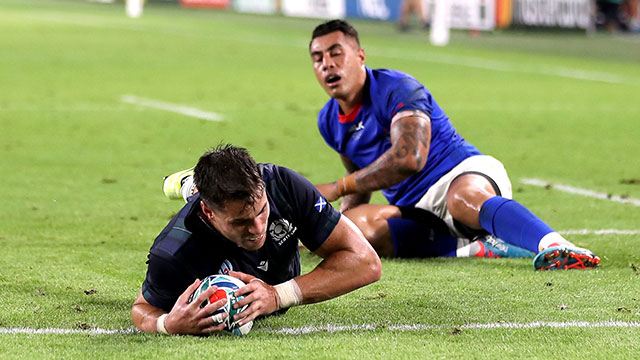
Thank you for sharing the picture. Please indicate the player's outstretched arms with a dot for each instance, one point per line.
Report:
(349, 263)
(184, 318)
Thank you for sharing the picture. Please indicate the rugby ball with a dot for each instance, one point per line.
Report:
(227, 285)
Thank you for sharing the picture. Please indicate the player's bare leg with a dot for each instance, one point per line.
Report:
(465, 197)
(418, 235)
(372, 219)
(472, 200)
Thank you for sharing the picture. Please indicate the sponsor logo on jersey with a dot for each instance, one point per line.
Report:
(320, 204)
(281, 230)
(356, 127)
(264, 265)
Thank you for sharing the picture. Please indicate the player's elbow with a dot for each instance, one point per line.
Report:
(369, 264)
(136, 317)
(376, 270)
(409, 167)
(371, 268)
(408, 170)
(139, 311)
(411, 164)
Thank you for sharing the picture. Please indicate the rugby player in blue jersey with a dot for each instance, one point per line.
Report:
(246, 220)
(392, 136)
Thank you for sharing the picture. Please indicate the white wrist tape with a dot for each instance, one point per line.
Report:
(289, 294)
(160, 324)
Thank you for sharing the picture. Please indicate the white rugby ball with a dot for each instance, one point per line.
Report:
(227, 285)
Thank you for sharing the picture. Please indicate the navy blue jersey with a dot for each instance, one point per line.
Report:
(189, 247)
(363, 135)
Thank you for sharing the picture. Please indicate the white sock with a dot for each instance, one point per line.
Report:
(553, 239)
(468, 248)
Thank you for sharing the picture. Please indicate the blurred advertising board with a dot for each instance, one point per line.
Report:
(473, 14)
(553, 13)
(323, 9)
(465, 14)
(504, 8)
(215, 4)
(257, 6)
(383, 10)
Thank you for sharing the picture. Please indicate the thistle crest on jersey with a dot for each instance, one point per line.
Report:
(281, 230)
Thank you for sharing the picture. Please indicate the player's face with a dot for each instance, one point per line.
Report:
(245, 225)
(338, 63)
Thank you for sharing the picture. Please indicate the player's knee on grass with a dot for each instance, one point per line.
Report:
(371, 219)
(405, 232)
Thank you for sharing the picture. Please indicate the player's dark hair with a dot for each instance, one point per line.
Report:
(330, 26)
(228, 173)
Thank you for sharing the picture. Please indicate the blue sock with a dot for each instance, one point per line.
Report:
(512, 222)
(413, 239)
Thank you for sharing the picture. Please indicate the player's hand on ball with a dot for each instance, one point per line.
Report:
(329, 191)
(190, 318)
(262, 298)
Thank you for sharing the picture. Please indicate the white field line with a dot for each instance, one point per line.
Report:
(503, 66)
(58, 331)
(540, 107)
(79, 107)
(416, 327)
(352, 328)
(583, 192)
(471, 62)
(176, 108)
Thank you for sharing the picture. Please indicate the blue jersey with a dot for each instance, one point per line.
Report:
(363, 135)
(189, 247)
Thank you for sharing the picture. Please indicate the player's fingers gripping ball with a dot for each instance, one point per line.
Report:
(227, 285)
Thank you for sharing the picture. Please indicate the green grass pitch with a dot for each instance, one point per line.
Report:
(81, 170)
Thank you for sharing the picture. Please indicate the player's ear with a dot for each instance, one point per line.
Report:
(207, 211)
(362, 55)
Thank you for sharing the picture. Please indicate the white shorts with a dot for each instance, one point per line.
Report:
(435, 199)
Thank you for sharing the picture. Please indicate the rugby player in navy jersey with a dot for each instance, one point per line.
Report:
(246, 220)
(392, 136)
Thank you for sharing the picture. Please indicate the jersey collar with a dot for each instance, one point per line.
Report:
(347, 118)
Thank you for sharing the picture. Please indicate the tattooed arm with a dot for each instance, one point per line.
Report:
(352, 200)
(410, 140)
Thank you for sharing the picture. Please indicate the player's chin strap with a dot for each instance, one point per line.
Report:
(289, 294)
